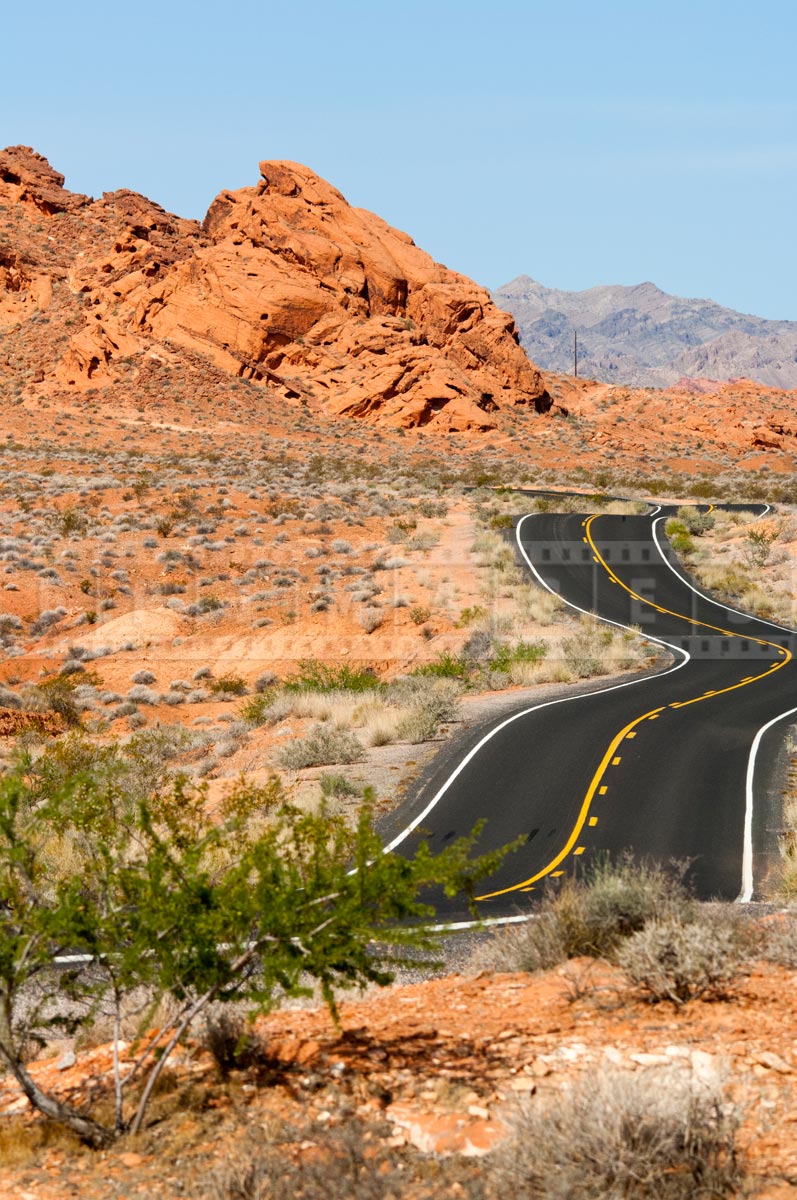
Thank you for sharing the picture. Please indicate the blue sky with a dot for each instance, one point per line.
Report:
(581, 143)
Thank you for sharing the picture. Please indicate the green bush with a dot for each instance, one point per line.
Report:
(229, 685)
(154, 897)
(315, 676)
(505, 655)
(255, 710)
(445, 666)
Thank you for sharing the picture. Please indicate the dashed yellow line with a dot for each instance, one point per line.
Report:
(609, 758)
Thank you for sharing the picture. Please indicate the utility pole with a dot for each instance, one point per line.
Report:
(575, 354)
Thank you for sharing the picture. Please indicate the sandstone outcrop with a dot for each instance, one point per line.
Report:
(285, 284)
(29, 179)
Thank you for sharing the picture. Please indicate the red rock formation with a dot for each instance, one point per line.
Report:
(296, 287)
(285, 284)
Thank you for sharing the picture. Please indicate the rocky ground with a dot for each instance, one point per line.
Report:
(431, 1073)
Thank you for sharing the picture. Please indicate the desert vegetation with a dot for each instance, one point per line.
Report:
(160, 909)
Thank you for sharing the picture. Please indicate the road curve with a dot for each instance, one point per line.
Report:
(676, 764)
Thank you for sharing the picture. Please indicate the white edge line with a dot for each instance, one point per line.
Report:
(703, 596)
(564, 700)
(746, 894)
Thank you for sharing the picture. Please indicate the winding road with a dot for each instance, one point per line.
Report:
(674, 764)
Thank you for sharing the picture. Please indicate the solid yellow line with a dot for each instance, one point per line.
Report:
(693, 621)
(582, 816)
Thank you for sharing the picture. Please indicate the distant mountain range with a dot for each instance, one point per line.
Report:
(645, 337)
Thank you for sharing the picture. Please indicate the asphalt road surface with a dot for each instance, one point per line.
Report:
(675, 765)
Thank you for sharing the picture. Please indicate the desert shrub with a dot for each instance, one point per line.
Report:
(678, 533)
(315, 676)
(472, 614)
(648, 1136)
(780, 941)
(431, 704)
(445, 666)
(256, 710)
(585, 652)
(758, 545)
(324, 744)
(157, 895)
(590, 916)
(143, 676)
(371, 618)
(56, 695)
(265, 680)
(426, 540)
(208, 604)
(505, 656)
(10, 624)
(687, 960)
(351, 1159)
(419, 725)
(432, 508)
(477, 647)
(333, 785)
(230, 685)
(46, 620)
(695, 522)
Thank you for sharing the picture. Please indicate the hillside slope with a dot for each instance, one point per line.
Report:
(644, 337)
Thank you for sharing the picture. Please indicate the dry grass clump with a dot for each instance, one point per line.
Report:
(588, 916)
(347, 1157)
(651, 1136)
(323, 745)
(780, 942)
(700, 959)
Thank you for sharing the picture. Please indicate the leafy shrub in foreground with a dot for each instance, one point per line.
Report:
(154, 896)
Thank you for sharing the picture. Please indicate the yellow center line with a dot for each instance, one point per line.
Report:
(629, 730)
(582, 816)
